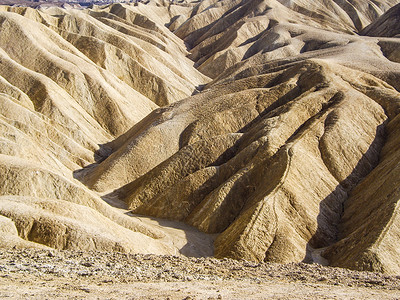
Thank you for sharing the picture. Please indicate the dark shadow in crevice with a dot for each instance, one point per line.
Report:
(99, 155)
(272, 24)
(198, 89)
(171, 21)
(331, 208)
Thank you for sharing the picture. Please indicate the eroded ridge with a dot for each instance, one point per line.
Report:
(288, 153)
(269, 168)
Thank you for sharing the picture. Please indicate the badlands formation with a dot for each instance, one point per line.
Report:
(265, 130)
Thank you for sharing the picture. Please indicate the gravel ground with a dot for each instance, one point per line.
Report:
(28, 274)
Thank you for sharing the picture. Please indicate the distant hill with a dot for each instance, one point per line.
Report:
(388, 25)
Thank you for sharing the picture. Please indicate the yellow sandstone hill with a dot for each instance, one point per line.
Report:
(269, 126)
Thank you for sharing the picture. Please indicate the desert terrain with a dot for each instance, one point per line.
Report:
(236, 132)
(38, 274)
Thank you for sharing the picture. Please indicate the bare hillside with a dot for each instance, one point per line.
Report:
(261, 130)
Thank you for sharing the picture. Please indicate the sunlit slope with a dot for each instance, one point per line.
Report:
(288, 154)
(71, 81)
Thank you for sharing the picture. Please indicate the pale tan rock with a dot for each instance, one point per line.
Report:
(69, 83)
(59, 224)
(10, 237)
(221, 34)
(274, 202)
(289, 153)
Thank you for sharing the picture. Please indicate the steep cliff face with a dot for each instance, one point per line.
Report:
(289, 153)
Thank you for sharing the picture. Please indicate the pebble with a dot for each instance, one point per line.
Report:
(110, 268)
